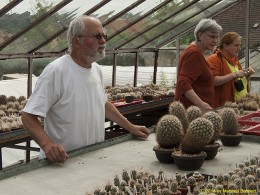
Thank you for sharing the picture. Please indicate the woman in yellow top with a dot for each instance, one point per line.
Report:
(229, 76)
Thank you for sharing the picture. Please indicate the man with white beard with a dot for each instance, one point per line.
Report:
(70, 95)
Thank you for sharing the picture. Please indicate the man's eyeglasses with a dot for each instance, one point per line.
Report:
(96, 36)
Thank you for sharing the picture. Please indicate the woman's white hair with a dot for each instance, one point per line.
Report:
(76, 27)
(206, 25)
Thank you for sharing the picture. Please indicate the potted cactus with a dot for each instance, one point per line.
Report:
(212, 148)
(230, 135)
(183, 187)
(198, 135)
(168, 135)
(174, 188)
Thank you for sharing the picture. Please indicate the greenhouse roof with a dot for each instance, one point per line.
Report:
(38, 27)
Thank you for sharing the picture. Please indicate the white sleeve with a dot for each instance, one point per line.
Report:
(45, 94)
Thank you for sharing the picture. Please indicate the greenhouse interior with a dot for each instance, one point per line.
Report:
(177, 146)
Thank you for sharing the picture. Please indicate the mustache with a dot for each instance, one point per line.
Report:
(103, 45)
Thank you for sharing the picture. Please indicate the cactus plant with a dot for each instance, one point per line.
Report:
(230, 136)
(174, 187)
(230, 123)
(3, 100)
(198, 135)
(176, 108)
(216, 121)
(193, 112)
(168, 131)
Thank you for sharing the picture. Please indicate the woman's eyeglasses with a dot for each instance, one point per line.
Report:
(96, 36)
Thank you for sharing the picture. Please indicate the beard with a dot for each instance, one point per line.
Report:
(96, 56)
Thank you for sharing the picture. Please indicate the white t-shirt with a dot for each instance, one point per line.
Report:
(72, 100)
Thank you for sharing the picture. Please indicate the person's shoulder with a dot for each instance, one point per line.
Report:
(54, 66)
(191, 52)
(214, 57)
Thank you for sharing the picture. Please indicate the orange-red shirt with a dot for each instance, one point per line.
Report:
(194, 73)
(219, 67)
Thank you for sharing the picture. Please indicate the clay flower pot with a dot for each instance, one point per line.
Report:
(211, 150)
(230, 140)
(163, 154)
(188, 162)
(148, 98)
(129, 99)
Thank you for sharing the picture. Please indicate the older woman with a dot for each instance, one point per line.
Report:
(195, 82)
(229, 77)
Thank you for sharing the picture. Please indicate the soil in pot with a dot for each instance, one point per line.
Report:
(188, 162)
(211, 150)
(164, 154)
(230, 140)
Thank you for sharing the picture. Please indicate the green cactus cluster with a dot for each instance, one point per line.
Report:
(169, 131)
(230, 123)
(198, 135)
(147, 183)
(193, 112)
(216, 121)
(176, 108)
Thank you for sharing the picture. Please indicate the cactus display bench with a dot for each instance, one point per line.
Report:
(94, 166)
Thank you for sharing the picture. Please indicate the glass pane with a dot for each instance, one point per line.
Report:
(4, 3)
(39, 64)
(13, 77)
(19, 18)
(105, 12)
(178, 21)
(146, 23)
(56, 45)
(38, 35)
(255, 87)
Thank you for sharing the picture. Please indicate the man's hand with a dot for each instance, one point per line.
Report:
(55, 153)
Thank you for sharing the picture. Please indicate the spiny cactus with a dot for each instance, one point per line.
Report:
(134, 175)
(154, 188)
(169, 131)
(174, 186)
(193, 112)
(3, 100)
(216, 121)
(191, 181)
(125, 176)
(166, 191)
(176, 108)
(210, 186)
(178, 177)
(198, 135)
(229, 118)
(183, 183)
(219, 187)
(11, 99)
(116, 181)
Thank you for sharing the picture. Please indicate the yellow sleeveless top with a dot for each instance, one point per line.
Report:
(238, 94)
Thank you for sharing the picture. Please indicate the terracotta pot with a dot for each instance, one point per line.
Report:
(230, 140)
(211, 150)
(188, 162)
